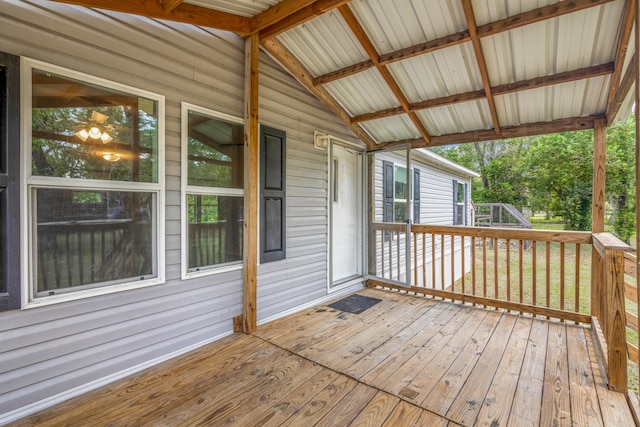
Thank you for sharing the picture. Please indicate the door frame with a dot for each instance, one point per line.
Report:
(361, 215)
(369, 215)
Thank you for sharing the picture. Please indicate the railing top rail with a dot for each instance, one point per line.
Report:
(582, 237)
(607, 241)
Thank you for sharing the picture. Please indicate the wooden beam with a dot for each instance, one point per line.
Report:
(298, 71)
(251, 159)
(398, 55)
(623, 90)
(185, 13)
(538, 82)
(599, 176)
(482, 65)
(554, 79)
(541, 128)
(621, 53)
(169, 5)
(277, 13)
(368, 46)
(537, 15)
(303, 15)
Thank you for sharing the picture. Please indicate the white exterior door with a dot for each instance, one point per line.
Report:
(345, 199)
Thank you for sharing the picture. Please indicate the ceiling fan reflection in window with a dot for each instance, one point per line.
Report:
(96, 130)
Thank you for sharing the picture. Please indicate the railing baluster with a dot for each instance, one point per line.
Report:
(463, 267)
(433, 261)
(92, 243)
(508, 269)
(577, 279)
(442, 282)
(453, 265)
(473, 267)
(548, 275)
(562, 276)
(67, 246)
(495, 269)
(381, 251)
(520, 272)
(534, 273)
(398, 253)
(484, 266)
(390, 255)
(424, 259)
(415, 259)
(80, 257)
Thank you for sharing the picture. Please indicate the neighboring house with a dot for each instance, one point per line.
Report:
(125, 249)
(436, 191)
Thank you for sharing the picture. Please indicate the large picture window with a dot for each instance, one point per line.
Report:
(213, 188)
(94, 192)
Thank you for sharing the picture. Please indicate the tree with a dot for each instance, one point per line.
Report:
(620, 186)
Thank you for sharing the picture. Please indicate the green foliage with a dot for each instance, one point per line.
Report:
(553, 173)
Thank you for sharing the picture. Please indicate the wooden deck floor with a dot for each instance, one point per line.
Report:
(406, 361)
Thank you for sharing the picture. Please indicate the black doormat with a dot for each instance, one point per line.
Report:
(355, 303)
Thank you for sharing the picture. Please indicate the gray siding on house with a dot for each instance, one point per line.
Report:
(436, 208)
(51, 350)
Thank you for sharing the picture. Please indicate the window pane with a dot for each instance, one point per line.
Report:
(90, 238)
(461, 193)
(215, 230)
(400, 212)
(85, 131)
(400, 183)
(216, 150)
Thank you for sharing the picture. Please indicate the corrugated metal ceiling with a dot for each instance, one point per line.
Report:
(444, 87)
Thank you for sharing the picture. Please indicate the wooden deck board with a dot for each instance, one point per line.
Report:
(406, 361)
(496, 407)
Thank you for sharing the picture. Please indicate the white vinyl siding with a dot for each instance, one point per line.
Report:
(51, 351)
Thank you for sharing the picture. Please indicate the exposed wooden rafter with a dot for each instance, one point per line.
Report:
(623, 89)
(303, 15)
(169, 5)
(536, 15)
(482, 65)
(621, 53)
(541, 128)
(368, 46)
(297, 70)
(185, 13)
(537, 82)
(277, 13)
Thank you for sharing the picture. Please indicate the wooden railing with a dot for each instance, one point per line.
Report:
(532, 271)
(608, 306)
(212, 243)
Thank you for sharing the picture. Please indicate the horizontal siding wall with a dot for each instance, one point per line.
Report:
(51, 350)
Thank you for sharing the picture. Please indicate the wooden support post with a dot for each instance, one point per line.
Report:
(599, 175)
(612, 317)
(251, 158)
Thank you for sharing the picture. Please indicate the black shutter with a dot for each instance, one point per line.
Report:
(272, 194)
(416, 196)
(9, 182)
(387, 191)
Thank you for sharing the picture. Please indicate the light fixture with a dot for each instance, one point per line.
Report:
(320, 141)
(97, 129)
(111, 157)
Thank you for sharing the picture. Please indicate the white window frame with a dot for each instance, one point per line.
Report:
(187, 189)
(29, 182)
(463, 205)
(410, 184)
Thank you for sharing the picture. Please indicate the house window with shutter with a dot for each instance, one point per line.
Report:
(272, 194)
(213, 155)
(9, 183)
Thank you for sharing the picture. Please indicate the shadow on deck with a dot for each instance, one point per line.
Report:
(406, 361)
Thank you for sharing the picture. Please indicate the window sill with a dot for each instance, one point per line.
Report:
(89, 293)
(212, 271)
